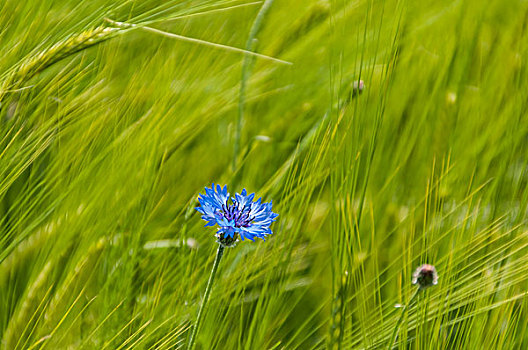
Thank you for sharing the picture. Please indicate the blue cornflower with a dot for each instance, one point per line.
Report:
(237, 216)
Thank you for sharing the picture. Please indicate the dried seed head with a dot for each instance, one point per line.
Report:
(425, 276)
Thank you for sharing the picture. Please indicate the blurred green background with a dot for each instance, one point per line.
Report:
(108, 134)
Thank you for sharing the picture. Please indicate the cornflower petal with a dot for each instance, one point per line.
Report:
(236, 217)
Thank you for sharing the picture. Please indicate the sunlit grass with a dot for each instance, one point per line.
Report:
(105, 147)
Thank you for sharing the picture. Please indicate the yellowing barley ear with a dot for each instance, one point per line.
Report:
(29, 67)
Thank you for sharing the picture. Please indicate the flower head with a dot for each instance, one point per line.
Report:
(425, 276)
(237, 217)
(357, 87)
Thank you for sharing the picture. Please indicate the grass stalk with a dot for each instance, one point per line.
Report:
(246, 71)
(219, 254)
(400, 319)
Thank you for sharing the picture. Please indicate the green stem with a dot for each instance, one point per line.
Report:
(246, 65)
(395, 331)
(196, 328)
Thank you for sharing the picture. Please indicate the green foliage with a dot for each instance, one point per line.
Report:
(108, 133)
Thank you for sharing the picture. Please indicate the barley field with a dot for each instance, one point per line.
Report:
(387, 134)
